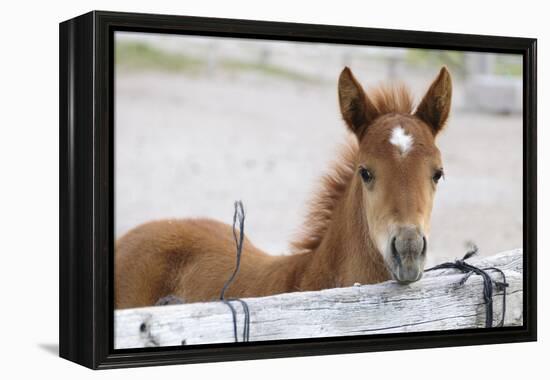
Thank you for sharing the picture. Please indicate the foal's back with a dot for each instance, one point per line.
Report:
(190, 259)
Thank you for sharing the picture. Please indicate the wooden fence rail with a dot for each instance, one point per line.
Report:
(436, 302)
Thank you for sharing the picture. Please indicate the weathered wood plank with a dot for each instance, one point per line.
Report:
(437, 302)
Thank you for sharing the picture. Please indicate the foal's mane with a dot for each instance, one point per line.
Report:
(391, 99)
(386, 100)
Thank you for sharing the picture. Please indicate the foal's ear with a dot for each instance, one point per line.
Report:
(355, 106)
(435, 106)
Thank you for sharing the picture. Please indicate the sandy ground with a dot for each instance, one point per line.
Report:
(189, 147)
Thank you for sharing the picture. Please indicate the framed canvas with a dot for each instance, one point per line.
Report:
(235, 189)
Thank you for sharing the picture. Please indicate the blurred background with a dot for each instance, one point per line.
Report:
(201, 122)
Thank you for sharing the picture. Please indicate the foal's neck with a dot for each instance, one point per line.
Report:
(346, 253)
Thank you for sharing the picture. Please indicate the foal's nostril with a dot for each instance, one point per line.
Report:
(408, 251)
(408, 243)
(395, 253)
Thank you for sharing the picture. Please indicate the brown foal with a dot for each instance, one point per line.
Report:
(369, 222)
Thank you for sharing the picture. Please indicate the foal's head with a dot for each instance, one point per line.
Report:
(398, 166)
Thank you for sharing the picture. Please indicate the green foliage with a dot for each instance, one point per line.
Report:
(266, 69)
(455, 60)
(509, 66)
(140, 56)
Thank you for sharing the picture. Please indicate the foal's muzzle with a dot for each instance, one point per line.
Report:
(408, 254)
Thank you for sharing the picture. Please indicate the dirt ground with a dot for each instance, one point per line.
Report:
(189, 147)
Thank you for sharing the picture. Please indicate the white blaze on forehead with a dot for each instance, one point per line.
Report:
(401, 140)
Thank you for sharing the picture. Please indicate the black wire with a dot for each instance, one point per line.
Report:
(501, 286)
(240, 216)
(469, 269)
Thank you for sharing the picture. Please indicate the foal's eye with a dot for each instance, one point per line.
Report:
(366, 175)
(438, 175)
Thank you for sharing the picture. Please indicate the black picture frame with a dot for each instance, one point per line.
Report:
(87, 199)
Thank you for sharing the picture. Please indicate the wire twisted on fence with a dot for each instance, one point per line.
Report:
(238, 216)
(469, 269)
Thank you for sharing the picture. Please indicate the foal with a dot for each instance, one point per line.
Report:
(369, 222)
